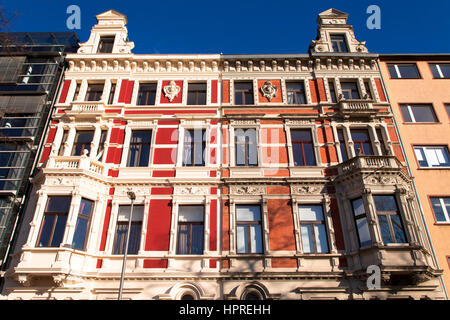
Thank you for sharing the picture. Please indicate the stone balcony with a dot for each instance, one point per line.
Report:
(362, 162)
(356, 107)
(83, 109)
(76, 164)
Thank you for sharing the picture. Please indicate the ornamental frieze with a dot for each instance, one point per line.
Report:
(250, 190)
(307, 189)
(191, 190)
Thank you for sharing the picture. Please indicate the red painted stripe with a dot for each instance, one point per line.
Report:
(170, 112)
(159, 191)
(163, 173)
(321, 90)
(123, 90)
(214, 91)
(64, 91)
(106, 225)
(313, 89)
(45, 154)
(158, 226)
(51, 135)
(380, 90)
(155, 263)
(213, 226)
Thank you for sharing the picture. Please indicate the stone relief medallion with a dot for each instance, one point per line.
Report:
(269, 90)
(171, 90)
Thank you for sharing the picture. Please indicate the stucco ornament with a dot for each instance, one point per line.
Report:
(171, 90)
(269, 90)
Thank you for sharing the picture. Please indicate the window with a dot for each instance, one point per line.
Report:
(243, 93)
(139, 153)
(350, 90)
(18, 125)
(362, 227)
(94, 92)
(303, 147)
(332, 91)
(368, 89)
(384, 150)
(403, 70)
(432, 156)
(106, 44)
(112, 91)
(147, 94)
(389, 219)
(246, 148)
(101, 145)
(447, 107)
(342, 144)
(312, 228)
(361, 142)
(81, 228)
(82, 141)
(440, 70)
(418, 113)
(190, 230)
(441, 209)
(338, 43)
(122, 229)
(196, 94)
(194, 147)
(248, 229)
(295, 93)
(54, 223)
(76, 96)
(13, 161)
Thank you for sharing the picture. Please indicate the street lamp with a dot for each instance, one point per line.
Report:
(132, 197)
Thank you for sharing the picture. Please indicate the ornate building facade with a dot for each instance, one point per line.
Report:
(256, 177)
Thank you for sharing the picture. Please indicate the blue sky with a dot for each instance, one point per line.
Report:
(246, 26)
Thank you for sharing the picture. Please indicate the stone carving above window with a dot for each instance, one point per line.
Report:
(171, 90)
(268, 90)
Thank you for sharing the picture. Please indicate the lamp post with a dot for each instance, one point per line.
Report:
(132, 197)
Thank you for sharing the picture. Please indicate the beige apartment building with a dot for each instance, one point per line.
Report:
(419, 91)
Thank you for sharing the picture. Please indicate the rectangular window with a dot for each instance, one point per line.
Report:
(122, 229)
(362, 226)
(190, 229)
(13, 160)
(440, 70)
(54, 222)
(303, 147)
(106, 44)
(147, 94)
(338, 43)
(368, 89)
(82, 142)
(295, 93)
(342, 144)
(139, 151)
(441, 209)
(82, 226)
(246, 148)
(194, 147)
(333, 96)
(18, 125)
(350, 90)
(94, 92)
(361, 142)
(418, 113)
(312, 228)
(389, 219)
(432, 156)
(112, 91)
(403, 71)
(243, 93)
(101, 145)
(248, 229)
(384, 150)
(196, 94)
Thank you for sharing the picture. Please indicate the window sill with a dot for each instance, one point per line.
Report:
(417, 123)
(442, 223)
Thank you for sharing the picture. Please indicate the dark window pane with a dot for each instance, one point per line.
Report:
(350, 90)
(243, 92)
(139, 150)
(295, 93)
(94, 92)
(197, 239)
(398, 229)
(438, 210)
(385, 203)
(303, 148)
(80, 234)
(406, 114)
(106, 44)
(332, 91)
(196, 94)
(408, 71)
(342, 145)
(338, 42)
(384, 228)
(58, 233)
(246, 148)
(393, 71)
(46, 231)
(58, 204)
(147, 94)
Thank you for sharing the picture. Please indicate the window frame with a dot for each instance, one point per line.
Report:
(361, 142)
(190, 224)
(357, 89)
(148, 93)
(57, 215)
(388, 215)
(409, 108)
(302, 143)
(246, 147)
(76, 144)
(295, 92)
(438, 68)
(193, 145)
(359, 217)
(397, 70)
(243, 92)
(444, 209)
(101, 41)
(339, 43)
(248, 224)
(88, 225)
(93, 91)
(445, 147)
(197, 93)
(116, 249)
(139, 151)
(311, 224)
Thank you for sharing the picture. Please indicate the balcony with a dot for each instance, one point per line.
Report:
(86, 109)
(369, 162)
(356, 107)
(75, 164)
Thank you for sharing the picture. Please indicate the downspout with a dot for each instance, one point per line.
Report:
(412, 177)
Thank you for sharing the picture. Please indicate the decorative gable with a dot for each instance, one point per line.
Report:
(335, 35)
(110, 25)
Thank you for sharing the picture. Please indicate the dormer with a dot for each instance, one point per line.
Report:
(109, 35)
(335, 35)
